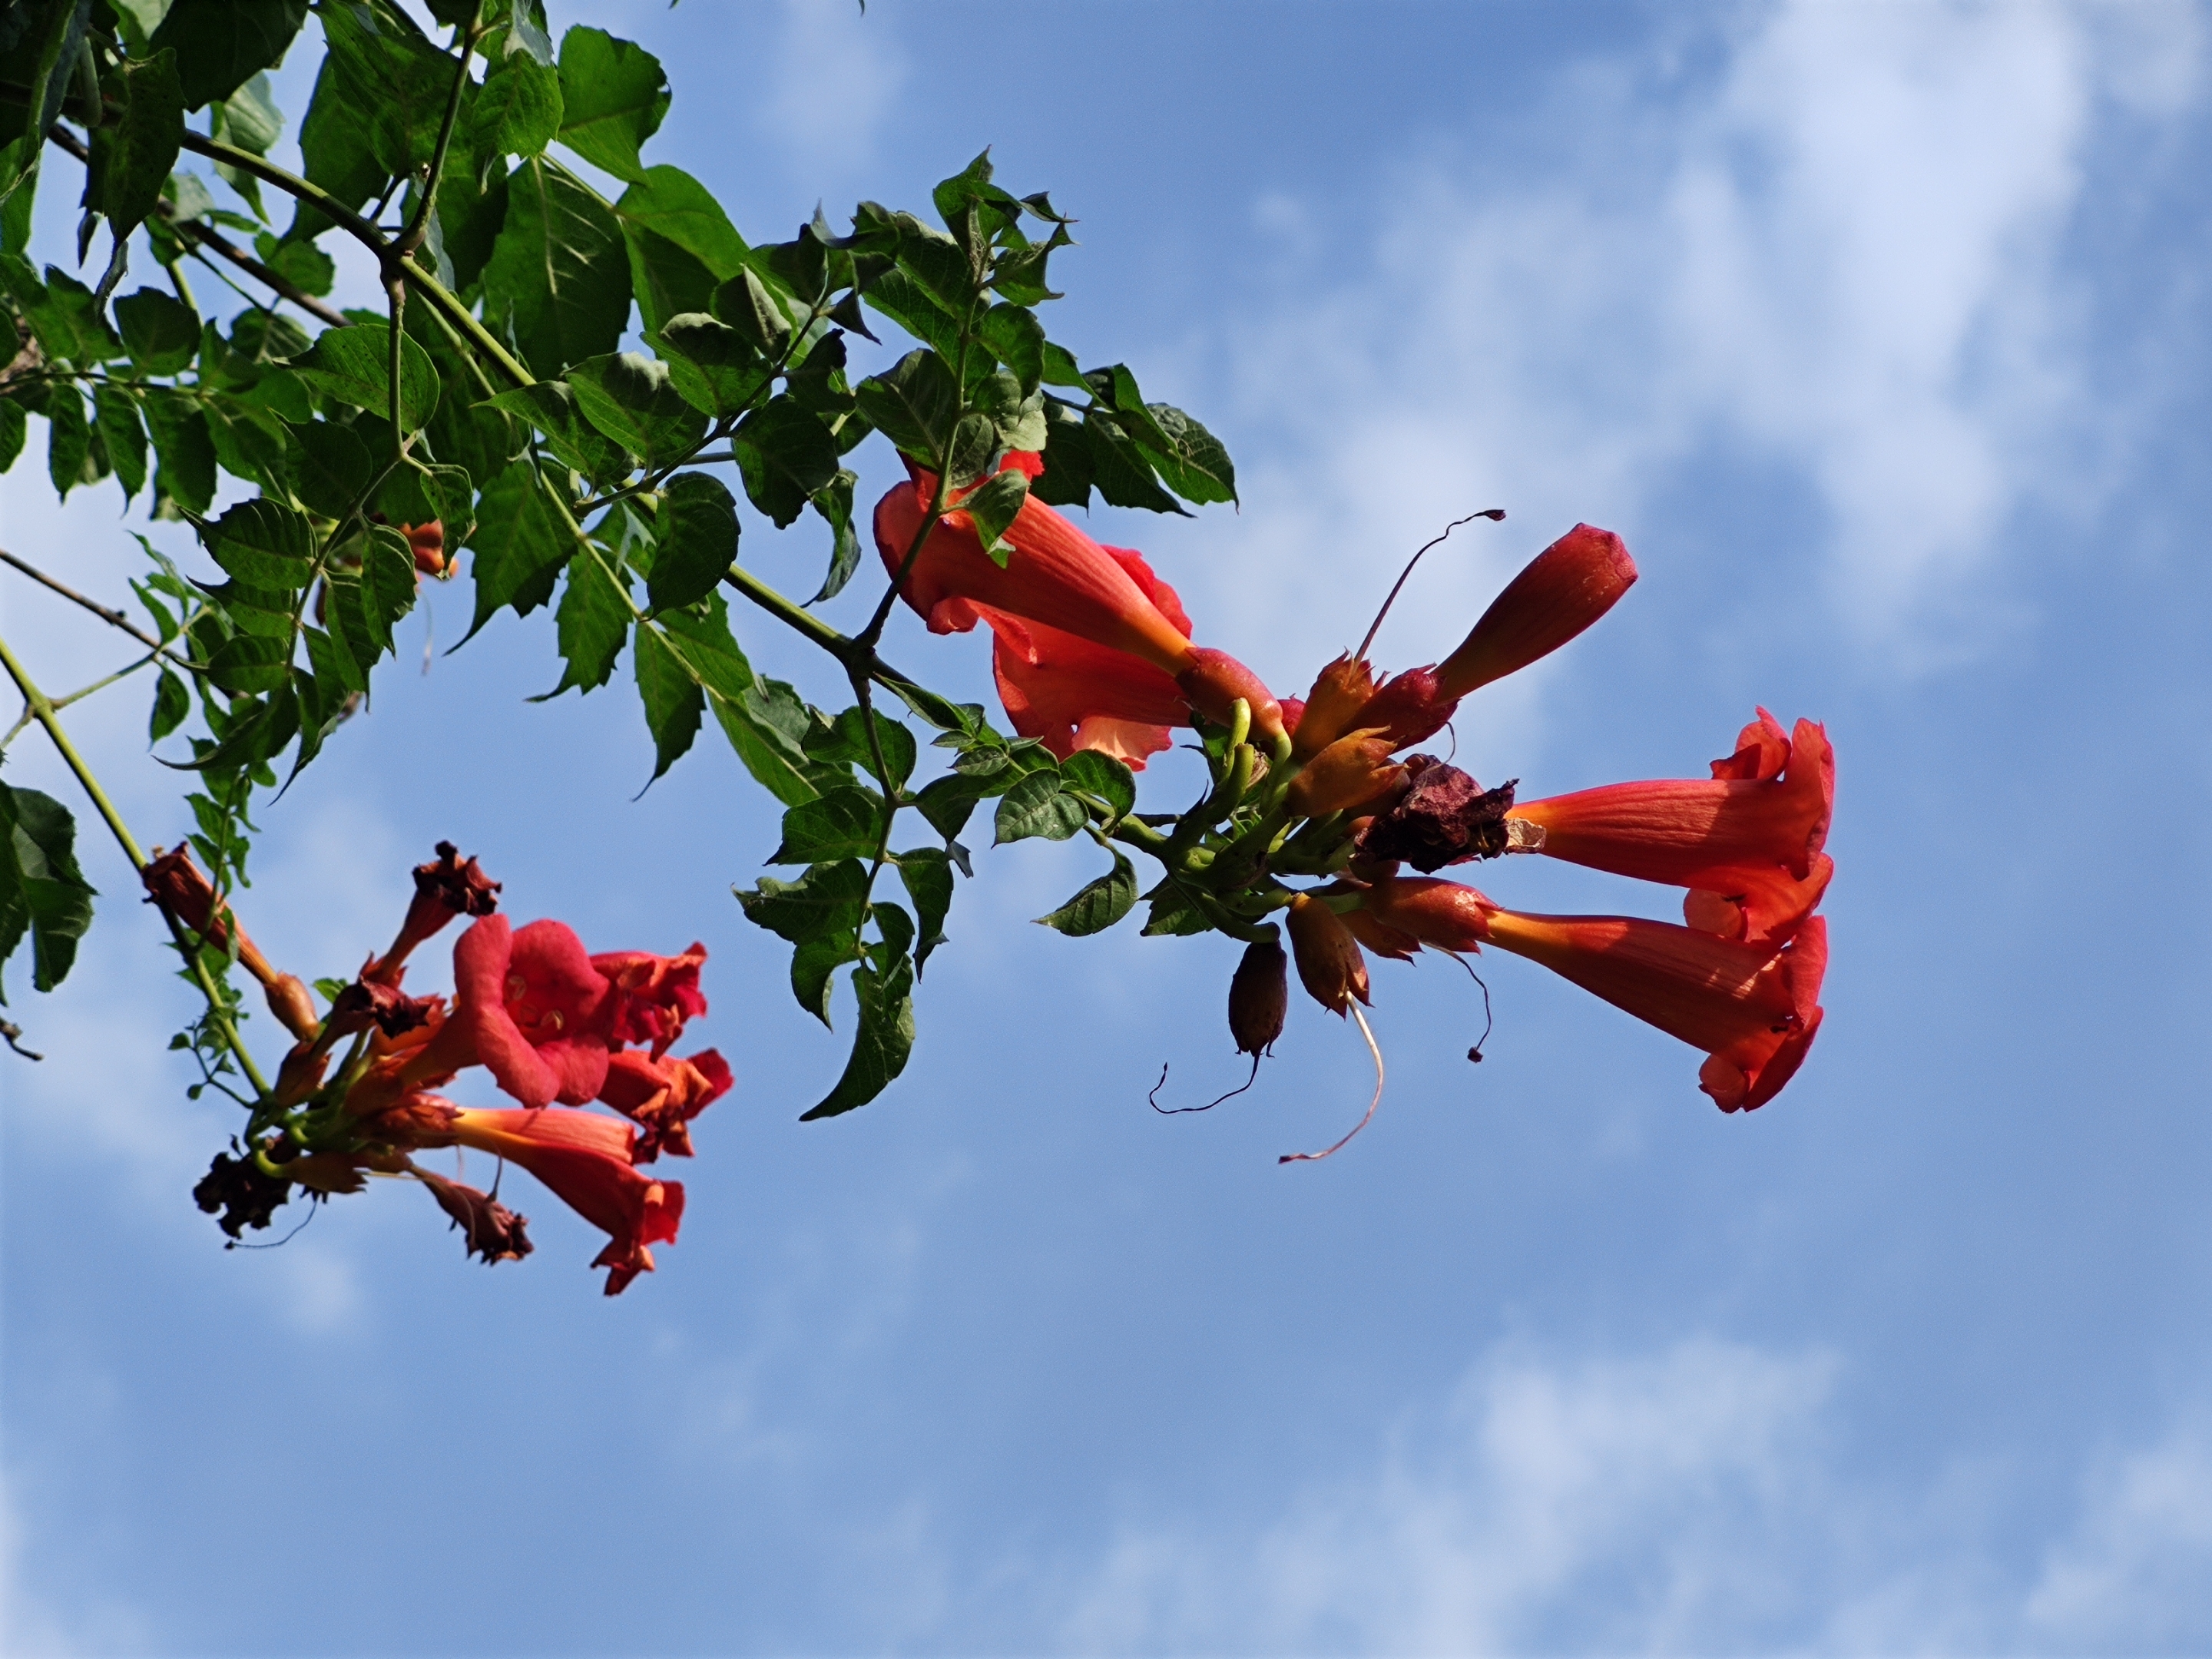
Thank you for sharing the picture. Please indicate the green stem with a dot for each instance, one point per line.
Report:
(465, 37)
(43, 712)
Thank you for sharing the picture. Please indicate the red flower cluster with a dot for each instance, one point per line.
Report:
(1741, 980)
(552, 1025)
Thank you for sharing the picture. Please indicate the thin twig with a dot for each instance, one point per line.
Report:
(114, 618)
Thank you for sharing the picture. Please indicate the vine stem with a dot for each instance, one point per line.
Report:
(43, 712)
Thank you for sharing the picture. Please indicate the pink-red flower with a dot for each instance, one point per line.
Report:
(1746, 842)
(1753, 1009)
(1058, 577)
(1070, 693)
(662, 1097)
(651, 996)
(529, 1005)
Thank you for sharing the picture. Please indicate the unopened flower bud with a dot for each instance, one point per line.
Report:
(301, 1072)
(290, 1000)
(428, 543)
(174, 882)
(1445, 818)
(1330, 966)
(1214, 682)
(1408, 708)
(1355, 770)
(1562, 591)
(1259, 997)
(1340, 692)
(447, 887)
(1442, 914)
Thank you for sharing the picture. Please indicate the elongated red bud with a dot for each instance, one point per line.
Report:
(1562, 591)
(290, 1000)
(1330, 966)
(1408, 708)
(1214, 682)
(1340, 692)
(1259, 997)
(1442, 914)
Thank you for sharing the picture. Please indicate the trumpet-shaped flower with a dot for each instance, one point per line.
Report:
(587, 1160)
(1070, 693)
(529, 1005)
(1752, 1009)
(1746, 842)
(1058, 576)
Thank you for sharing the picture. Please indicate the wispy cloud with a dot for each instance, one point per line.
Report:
(835, 82)
(1835, 244)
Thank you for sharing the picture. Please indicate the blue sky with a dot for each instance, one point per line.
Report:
(1881, 333)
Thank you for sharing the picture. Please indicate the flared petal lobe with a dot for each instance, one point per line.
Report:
(651, 996)
(1558, 594)
(1746, 842)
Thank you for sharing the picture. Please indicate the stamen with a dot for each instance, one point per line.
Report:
(1153, 1098)
(516, 985)
(1493, 514)
(1372, 1048)
(553, 1021)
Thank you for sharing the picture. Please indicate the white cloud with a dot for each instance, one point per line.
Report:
(1634, 1494)
(2133, 1575)
(1843, 253)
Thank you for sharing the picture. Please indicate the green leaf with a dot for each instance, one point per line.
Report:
(42, 891)
(813, 965)
(333, 662)
(718, 371)
(673, 701)
(1059, 368)
(884, 1041)
(784, 454)
(551, 406)
(337, 148)
(69, 438)
(698, 541)
(592, 622)
(948, 802)
(834, 502)
(844, 742)
(1101, 775)
(928, 873)
(354, 365)
(61, 311)
(559, 275)
(13, 426)
(172, 702)
(51, 54)
(1099, 905)
(185, 448)
(995, 507)
(667, 281)
(250, 662)
(915, 404)
(1119, 468)
(701, 637)
(452, 493)
(136, 159)
(844, 823)
(630, 399)
(974, 447)
(745, 304)
(330, 467)
(1174, 914)
(221, 45)
(161, 334)
(518, 108)
(265, 543)
(763, 726)
(365, 603)
(1016, 338)
(1037, 806)
(613, 95)
(116, 413)
(396, 80)
(909, 304)
(520, 542)
(672, 204)
(828, 899)
(1193, 462)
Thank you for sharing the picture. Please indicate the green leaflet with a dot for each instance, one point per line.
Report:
(558, 275)
(42, 891)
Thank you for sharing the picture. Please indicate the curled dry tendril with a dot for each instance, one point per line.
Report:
(1374, 1049)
